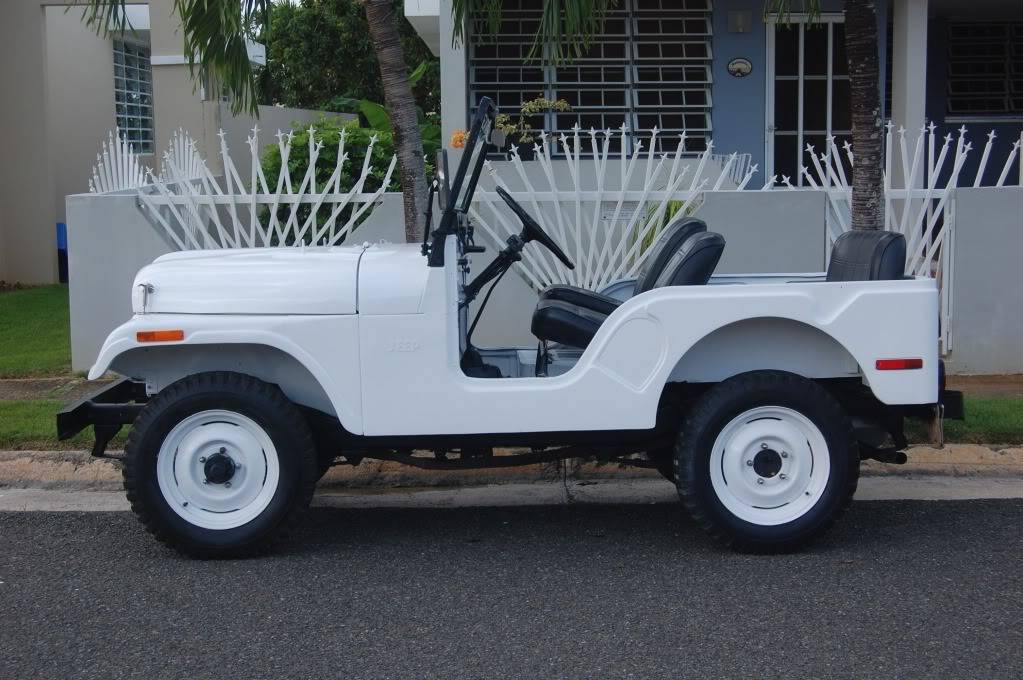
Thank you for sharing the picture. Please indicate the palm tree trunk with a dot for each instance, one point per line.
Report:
(861, 47)
(401, 105)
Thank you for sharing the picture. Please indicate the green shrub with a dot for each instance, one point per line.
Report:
(328, 131)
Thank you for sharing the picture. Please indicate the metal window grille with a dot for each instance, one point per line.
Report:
(985, 68)
(650, 67)
(133, 94)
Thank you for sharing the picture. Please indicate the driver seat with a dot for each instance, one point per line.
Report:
(668, 243)
(689, 264)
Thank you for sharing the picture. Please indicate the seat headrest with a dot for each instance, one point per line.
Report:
(862, 255)
(671, 239)
(694, 262)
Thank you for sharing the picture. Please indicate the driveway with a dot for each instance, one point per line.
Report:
(900, 589)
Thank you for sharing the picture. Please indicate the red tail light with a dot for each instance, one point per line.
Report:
(898, 364)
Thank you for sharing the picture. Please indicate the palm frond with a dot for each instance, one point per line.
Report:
(566, 26)
(783, 9)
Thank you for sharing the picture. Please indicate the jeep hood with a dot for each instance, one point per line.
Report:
(320, 280)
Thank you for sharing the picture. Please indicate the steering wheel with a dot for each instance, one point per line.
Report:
(531, 231)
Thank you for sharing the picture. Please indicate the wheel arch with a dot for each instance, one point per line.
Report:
(162, 365)
(764, 343)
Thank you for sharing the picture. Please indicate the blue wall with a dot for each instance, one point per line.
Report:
(738, 105)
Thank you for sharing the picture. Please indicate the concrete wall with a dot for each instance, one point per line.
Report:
(80, 113)
(987, 324)
(776, 231)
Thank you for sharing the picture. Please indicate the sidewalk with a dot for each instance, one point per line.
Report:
(78, 471)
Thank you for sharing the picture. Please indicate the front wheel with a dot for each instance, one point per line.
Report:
(766, 462)
(219, 465)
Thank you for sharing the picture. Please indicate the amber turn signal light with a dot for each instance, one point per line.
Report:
(160, 336)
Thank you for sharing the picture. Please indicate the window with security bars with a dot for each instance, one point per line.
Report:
(650, 67)
(133, 94)
(985, 69)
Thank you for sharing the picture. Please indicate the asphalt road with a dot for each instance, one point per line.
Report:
(899, 589)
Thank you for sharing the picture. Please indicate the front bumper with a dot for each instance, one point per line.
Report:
(107, 410)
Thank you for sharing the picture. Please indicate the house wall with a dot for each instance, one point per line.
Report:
(27, 211)
(177, 100)
(739, 104)
(80, 112)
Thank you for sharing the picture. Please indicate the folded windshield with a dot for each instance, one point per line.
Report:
(464, 185)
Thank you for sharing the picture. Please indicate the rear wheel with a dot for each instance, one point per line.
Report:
(219, 464)
(766, 461)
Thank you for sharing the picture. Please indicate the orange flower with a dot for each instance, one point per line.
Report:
(458, 139)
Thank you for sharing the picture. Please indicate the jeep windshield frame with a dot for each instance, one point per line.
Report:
(463, 188)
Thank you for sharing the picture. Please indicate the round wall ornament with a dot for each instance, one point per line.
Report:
(740, 67)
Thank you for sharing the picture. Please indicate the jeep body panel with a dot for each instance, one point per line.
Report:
(393, 369)
(283, 280)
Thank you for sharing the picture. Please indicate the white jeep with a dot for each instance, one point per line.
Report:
(249, 372)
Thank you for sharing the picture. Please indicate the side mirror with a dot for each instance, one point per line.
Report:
(498, 138)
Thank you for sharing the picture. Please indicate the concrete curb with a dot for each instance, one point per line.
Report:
(77, 470)
(604, 492)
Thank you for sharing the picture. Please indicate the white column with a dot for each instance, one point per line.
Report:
(453, 85)
(909, 64)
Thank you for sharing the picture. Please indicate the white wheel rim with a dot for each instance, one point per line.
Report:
(767, 489)
(182, 473)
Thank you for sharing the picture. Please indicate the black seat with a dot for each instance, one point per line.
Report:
(868, 256)
(668, 243)
(690, 265)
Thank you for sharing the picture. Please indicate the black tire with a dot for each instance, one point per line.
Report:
(713, 413)
(261, 402)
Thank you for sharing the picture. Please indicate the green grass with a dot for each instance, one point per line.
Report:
(34, 334)
(32, 425)
(989, 420)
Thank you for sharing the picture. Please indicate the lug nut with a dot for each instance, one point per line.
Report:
(763, 445)
(760, 480)
(205, 481)
(749, 462)
(783, 476)
(202, 459)
(223, 450)
(227, 484)
(784, 454)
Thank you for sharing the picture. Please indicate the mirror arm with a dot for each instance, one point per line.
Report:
(428, 226)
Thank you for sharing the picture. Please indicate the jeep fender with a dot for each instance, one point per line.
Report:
(313, 359)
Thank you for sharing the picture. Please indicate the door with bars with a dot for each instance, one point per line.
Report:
(808, 96)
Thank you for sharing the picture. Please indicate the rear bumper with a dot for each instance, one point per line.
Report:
(106, 409)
